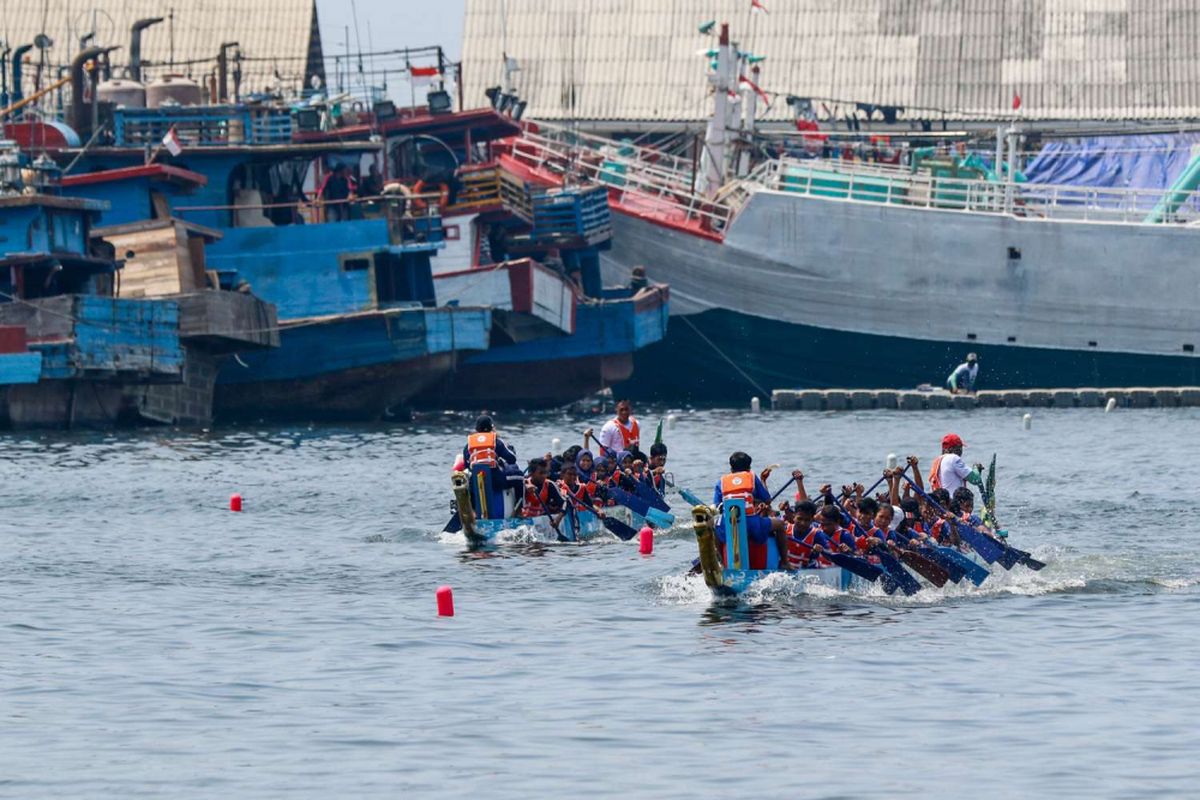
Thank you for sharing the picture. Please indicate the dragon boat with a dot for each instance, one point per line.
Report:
(574, 525)
(730, 576)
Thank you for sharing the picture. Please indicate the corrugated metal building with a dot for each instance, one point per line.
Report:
(279, 39)
(642, 60)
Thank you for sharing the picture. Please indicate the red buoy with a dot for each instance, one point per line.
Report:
(235, 502)
(645, 541)
(445, 601)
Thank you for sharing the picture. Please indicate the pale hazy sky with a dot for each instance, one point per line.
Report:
(391, 24)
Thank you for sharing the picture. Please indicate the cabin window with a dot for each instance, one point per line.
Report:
(402, 279)
(354, 263)
(1189, 348)
(972, 337)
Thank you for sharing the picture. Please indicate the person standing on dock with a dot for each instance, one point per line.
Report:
(962, 380)
(949, 471)
(622, 432)
(487, 456)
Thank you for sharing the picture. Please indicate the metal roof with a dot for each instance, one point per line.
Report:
(281, 32)
(641, 60)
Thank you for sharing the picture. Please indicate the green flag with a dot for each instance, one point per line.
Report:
(658, 433)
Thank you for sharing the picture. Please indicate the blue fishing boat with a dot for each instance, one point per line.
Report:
(561, 329)
(358, 327)
(72, 352)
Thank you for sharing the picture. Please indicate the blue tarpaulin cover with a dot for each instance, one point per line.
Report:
(1144, 161)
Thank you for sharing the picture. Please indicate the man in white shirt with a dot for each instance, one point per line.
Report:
(622, 432)
(949, 471)
(962, 380)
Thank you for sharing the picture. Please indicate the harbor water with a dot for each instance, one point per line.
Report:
(152, 643)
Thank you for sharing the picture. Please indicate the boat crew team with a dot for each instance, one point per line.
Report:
(809, 529)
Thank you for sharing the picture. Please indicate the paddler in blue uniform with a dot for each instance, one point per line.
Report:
(742, 484)
(486, 454)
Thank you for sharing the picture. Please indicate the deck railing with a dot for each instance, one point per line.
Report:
(655, 183)
(890, 185)
(641, 177)
(202, 126)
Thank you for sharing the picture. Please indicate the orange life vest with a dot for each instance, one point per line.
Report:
(481, 447)
(629, 437)
(935, 473)
(536, 501)
(739, 486)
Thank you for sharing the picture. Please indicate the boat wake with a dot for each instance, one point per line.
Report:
(1065, 573)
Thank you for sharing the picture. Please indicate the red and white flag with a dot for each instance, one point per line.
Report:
(423, 75)
(757, 7)
(172, 142)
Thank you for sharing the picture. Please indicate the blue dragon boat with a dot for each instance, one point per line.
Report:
(732, 575)
(573, 526)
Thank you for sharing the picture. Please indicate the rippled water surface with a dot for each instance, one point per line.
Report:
(154, 644)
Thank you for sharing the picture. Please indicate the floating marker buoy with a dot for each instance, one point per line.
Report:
(891, 460)
(671, 420)
(755, 405)
(1110, 405)
(646, 541)
(235, 502)
(1027, 421)
(555, 443)
(445, 601)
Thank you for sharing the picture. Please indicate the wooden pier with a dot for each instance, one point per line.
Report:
(910, 400)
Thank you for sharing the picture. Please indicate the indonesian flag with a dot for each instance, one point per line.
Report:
(758, 91)
(172, 142)
(756, 7)
(423, 75)
(1016, 100)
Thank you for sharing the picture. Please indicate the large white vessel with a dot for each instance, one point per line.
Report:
(821, 273)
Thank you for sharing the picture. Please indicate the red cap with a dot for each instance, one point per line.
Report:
(951, 440)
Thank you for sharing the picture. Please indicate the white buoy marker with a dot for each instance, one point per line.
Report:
(1027, 421)
(755, 405)
(1110, 405)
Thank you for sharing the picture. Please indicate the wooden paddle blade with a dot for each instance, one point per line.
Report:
(926, 568)
(619, 529)
(1008, 558)
(907, 583)
(988, 548)
(1028, 560)
(858, 566)
(956, 572)
(660, 519)
(974, 572)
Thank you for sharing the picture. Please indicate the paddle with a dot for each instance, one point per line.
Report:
(927, 568)
(614, 526)
(660, 519)
(890, 564)
(859, 566)
(930, 570)
(990, 549)
(973, 572)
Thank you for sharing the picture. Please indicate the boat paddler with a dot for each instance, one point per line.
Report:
(542, 497)
(622, 432)
(486, 452)
(740, 483)
(949, 471)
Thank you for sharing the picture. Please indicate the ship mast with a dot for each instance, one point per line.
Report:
(723, 79)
